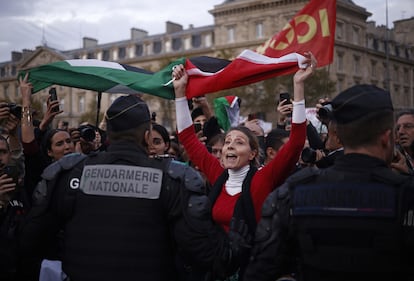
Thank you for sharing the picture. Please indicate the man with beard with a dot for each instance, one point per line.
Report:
(405, 136)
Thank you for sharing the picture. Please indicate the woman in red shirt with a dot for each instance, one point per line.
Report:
(239, 189)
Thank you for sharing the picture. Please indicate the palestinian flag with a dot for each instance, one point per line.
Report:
(227, 111)
(102, 76)
(312, 29)
(249, 67)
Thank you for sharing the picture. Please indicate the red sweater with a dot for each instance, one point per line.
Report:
(264, 181)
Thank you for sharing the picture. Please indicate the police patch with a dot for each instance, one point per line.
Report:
(121, 181)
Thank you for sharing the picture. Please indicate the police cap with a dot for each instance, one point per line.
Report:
(127, 112)
(359, 100)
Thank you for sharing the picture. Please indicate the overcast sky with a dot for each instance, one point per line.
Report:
(25, 24)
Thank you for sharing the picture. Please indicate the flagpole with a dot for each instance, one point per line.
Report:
(98, 108)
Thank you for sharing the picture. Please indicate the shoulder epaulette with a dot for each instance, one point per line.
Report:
(65, 163)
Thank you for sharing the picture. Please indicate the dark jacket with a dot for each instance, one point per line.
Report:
(352, 221)
(125, 220)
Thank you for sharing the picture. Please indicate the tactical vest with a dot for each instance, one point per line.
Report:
(350, 228)
(116, 237)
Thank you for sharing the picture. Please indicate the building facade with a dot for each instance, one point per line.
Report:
(364, 52)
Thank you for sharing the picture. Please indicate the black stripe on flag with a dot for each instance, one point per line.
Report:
(209, 64)
(136, 69)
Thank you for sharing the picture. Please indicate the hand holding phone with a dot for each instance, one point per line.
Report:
(53, 97)
(285, 96)
(251, 116)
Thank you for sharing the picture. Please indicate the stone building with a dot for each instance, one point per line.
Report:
(360, 51)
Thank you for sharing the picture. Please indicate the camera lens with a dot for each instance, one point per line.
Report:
(325, 111)
(308, 155)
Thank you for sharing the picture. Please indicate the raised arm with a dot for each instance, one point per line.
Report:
(26, 122)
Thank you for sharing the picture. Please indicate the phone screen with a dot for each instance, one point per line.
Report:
(197, 127)
(53, 97)
(285, 96)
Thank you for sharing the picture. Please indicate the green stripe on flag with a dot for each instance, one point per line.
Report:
(101, 79)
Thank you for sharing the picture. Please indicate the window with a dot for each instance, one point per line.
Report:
(396, 74)
(385, 74)
(340, 62)
(131, 52)
(13, 72)
(357, 65)
(230, 34)
(62, 104)
(196, 40)
(375, 44)
(81, 104)
(187, 43)
(406, 76)
(339, 85)
(156, 47)
(339, 30)
(176, 44)
(6, 91)
(167, 46)
(139, 50)
(397, 51)
(105, 55)
(121, 52)
(2, 72)
(373, 69)
(208, 40)
(259, 30)
(355, 35)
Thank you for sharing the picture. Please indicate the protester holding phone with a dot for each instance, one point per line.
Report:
(284, 109)
(13, 205)
(56, 143)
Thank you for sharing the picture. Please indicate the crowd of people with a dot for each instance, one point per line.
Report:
(129, 200)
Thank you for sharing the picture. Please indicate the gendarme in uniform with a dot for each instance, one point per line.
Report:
(124, 216)
(352, 221)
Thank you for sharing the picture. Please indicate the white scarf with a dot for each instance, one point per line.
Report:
(235, 181)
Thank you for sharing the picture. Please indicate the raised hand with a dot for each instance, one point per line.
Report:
(302, 74)
(180, 78)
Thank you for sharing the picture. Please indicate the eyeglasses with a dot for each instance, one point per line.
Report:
(405, 126)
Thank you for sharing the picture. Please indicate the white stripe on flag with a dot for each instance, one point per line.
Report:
(95, 63)
(257, 58)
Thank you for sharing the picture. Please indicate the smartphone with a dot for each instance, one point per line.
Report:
(285, 96)
(12, 171)
(197, 127)
(53, 97)
(251, 116)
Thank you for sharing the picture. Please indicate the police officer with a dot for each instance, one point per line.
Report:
(351, 221)
(124, 216)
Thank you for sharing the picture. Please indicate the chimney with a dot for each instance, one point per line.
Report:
(137, 33)
(89, 42)
(172, 27)
(16, 56)
(27, 52)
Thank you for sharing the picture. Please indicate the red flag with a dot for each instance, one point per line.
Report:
(311, 29)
